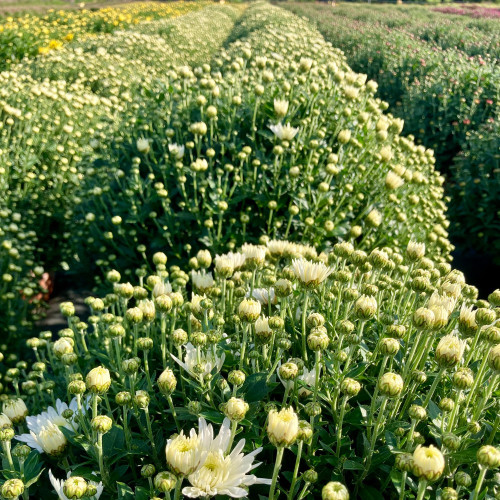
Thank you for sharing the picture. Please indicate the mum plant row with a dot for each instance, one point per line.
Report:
(448, 96)
(51, 108)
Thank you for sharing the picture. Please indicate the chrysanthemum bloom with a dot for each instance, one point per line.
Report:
(393, 181)
(176, 151)
(415, 250)
(310, 274)
(58, 485)
(206, 363)
(449, 351)
(264, 295)
(218, 473)
(15, 409)
(280, 107)
(186, 453)
(224, 266)
(284, 132)
(202, 280)
(46, 437)
(5, 421)
(428, 463)
(142, 145)
(255, 255)
(282, 427)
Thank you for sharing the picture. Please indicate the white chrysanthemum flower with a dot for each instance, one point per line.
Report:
(254, 253)
(393, 181)
(284, 132)
(207, 361)
(58, 485)
(176, 151)
(162, 289)
(263, 295)
(186, 453)
(237, 258)
(142, 145)
(202, 280)
(310, 273)
(280, 107)
(442, 301)
(45, 435)
(221, 474)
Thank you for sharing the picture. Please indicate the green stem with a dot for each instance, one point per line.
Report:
(277, 466)
(295, 470)
(422, 486)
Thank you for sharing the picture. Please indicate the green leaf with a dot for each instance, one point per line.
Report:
(255, 387)
(353, 465)
(125, 491)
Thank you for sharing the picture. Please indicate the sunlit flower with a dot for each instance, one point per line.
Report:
(204, 365)
(284, 132)
(310, 273)
(218, 473)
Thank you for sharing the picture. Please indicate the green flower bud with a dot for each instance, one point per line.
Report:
(390, 384)
(236, 378)
(235, 409)
(451, 441)
(449, 494)
(417, 412)
(123, 398)
(102, 424)
(148, 470)
(75, 487)
(167, 382)
(12, 488)
(334, 491)
(404, 462)
(389, 346)
(165, 481)
(463, 479)
(488, 456)
(350, 387)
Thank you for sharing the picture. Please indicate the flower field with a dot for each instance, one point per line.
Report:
(275, 312)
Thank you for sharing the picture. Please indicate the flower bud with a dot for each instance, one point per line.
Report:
(449, 494)
(334, 491)
(365, 307)
(485, 316)
(75, 487)
(404, 462)
(12, 488)
(305, 431)
(318, 339)
(310, 476)
(167, 382)
(123, 398)
(494, 359)
(428, 463)
(235, 409)
(449, 351)
(488, 456)
(463, 378)
(289, 371)
(102, 424)
(141, 399)
(282, 427)
(350, 387)
(390, 384)
(389, 346)
(451, 441)
(165, 481)
(417, 412)
(446, 405)
(463, 479)
(98, 380)
(7, 434)
(148, 470)
(236, 378)
(423, 318)
(283, 288)
(249, 310)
